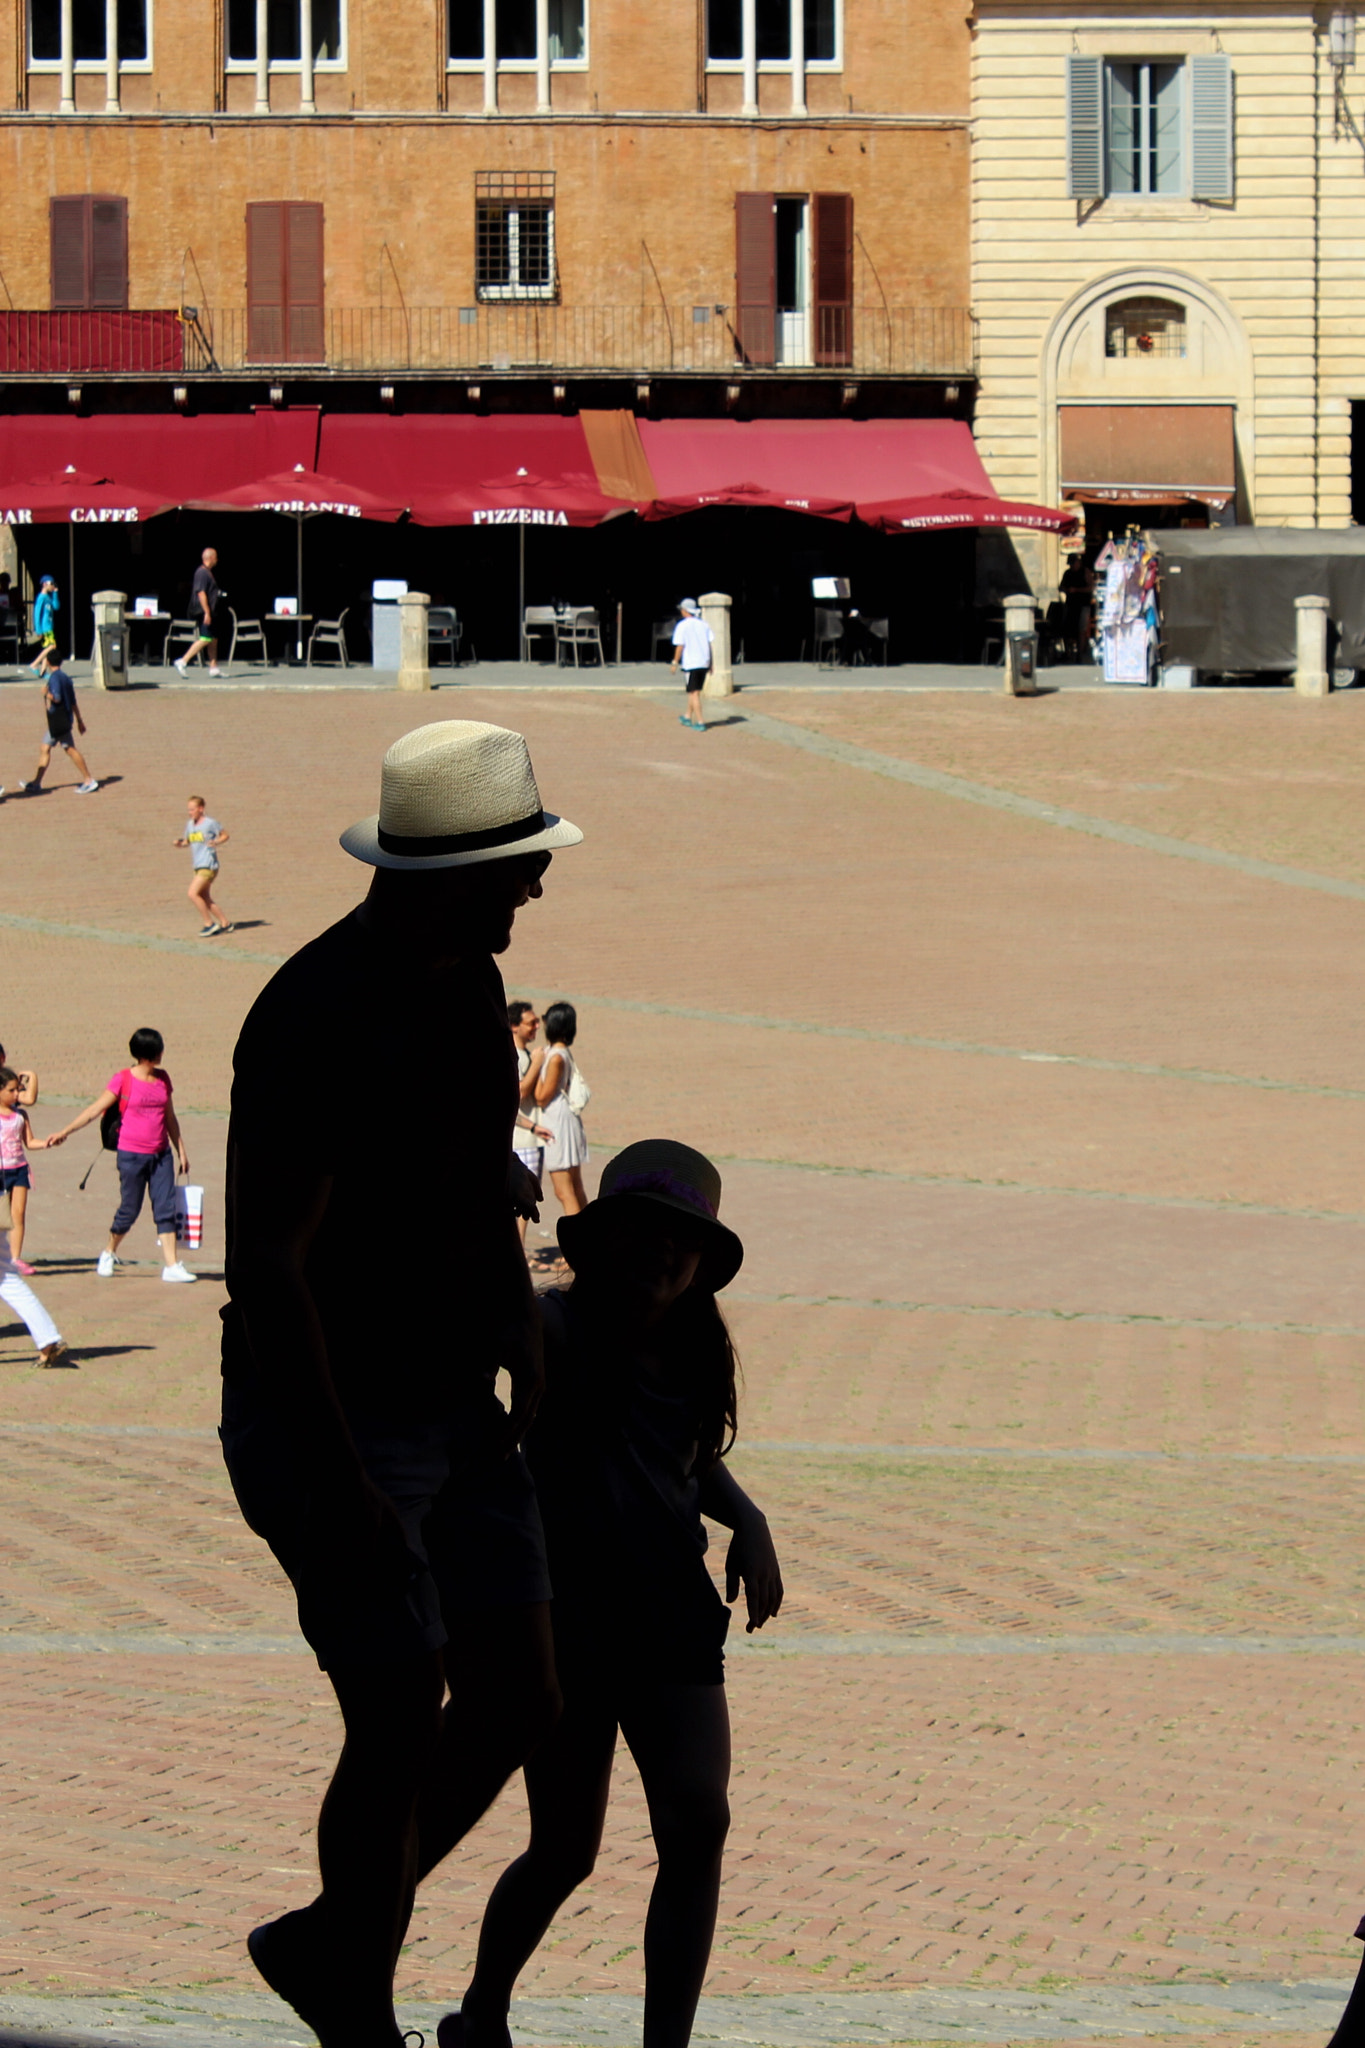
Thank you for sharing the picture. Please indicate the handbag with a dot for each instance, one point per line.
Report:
(578, 1092)
(111, 1123)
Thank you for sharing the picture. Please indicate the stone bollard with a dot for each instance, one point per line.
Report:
(414, 667)
(1019, 618)
(1310, 646)
(715, 609)
(109, 607)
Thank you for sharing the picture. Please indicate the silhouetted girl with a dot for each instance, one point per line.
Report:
(628, 1451)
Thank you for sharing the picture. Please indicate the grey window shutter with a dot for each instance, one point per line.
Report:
(1210, 128)
(1084, 128)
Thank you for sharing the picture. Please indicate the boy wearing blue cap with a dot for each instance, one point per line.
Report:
(46, 606)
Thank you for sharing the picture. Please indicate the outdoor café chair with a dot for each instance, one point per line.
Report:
(537, 618)
(181, 633)
(248, 632)
(330, 633)
(580, 629)
(829, 635)
(443, 631)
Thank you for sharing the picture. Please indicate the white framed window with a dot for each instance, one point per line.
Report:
(514, 235)
(89, 35)
(1144, 128)
(284, 35)
(516, 35)
(774, 35)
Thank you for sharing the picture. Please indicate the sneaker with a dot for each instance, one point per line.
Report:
(105, 1264)
(23, 1266)
(215, 671)
(179, 663)
(22, 788)
(86, 788)
(227, 928)
(50, 1353)
(178, 1274)
(208, 931)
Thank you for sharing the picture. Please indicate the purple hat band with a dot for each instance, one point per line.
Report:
(662, 1182)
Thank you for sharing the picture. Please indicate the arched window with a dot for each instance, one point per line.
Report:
(1144, 327)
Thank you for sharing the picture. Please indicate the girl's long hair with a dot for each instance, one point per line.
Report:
(698, 1338)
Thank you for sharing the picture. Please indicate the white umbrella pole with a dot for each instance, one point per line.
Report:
(521, 592)
(298, 587)
(71, 581)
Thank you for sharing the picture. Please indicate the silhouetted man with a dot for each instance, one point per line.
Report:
(377, 1286)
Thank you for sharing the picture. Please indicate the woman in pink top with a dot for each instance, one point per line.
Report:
(148, 1130)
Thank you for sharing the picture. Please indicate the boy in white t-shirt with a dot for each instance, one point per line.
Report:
(692, 644)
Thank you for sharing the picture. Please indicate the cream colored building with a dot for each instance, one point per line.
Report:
(1169, 260)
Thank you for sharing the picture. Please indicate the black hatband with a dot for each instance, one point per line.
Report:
(461, 842)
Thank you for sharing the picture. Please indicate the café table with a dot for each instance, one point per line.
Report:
(296, 619)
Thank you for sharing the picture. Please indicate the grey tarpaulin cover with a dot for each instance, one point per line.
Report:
(1227, 595)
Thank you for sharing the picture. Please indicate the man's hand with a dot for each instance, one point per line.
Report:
(753, 1559)
(524, 1190)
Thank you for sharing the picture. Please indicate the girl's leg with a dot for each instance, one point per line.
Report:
(568, 1187)
(200, 883)
(25, 1303)
(18, 1203)
(568, 1780)
(679, 1736)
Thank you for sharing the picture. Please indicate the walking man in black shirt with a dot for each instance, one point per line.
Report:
(361, 1429)
(204, 600)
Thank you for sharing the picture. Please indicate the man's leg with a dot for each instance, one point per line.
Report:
(694, 705)
(334, 1960)
(44, 756)
(75, 754)
(504, 1698)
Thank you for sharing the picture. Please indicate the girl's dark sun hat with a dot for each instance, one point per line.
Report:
(454, 794)
(662, 1171)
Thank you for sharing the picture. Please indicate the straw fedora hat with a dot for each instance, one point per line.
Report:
(453, 794)
(661, 1171)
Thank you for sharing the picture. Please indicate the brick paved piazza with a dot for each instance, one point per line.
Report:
(1034, 1034)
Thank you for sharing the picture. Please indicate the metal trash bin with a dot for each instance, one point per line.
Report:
(1021, 657)
(113, 657)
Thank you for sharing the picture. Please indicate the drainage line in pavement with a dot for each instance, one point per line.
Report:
(1127, 1317)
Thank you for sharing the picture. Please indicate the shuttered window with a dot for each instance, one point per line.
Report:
(1211, 169)
(1139, 129)
(833, 279)
(756, 276)
(284, 281)
(89, 253)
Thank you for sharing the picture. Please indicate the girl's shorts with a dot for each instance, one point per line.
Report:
(12, 1177)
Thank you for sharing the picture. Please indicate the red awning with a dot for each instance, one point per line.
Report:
(176, 460)
(75, 497)
(507, 470)
(894, 474)
(1148, 454)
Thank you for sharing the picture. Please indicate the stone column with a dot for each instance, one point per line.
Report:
(9, 556)
(109, 606)
(715, 609)
(1019, 618)
(414, 670)
(1310, 645)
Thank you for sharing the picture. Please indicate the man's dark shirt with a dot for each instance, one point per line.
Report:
(62, 709)
(204, 582)
(400, 1083)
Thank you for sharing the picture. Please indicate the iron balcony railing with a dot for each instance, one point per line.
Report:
(515, 337)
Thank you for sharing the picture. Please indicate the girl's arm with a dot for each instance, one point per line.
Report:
(545, 1089)
(87, 1116)
(30, 1143)
(28, 1088)
(752, 1556)
(173, 1133)
(221, 839)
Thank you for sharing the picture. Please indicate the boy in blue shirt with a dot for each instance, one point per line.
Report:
(59, 702)
(46, 606)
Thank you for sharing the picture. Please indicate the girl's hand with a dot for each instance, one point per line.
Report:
(39, 1144)
(544, 1132)
(752, 1557)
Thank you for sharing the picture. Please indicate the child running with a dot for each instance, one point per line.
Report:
(16, 1138)
(203, 836)
(148, 1129)
(628, 1453)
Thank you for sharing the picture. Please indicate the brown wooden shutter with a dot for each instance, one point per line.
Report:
(756, 276)
(69, 222)
(833, 279)
(265, 293)
(108, 254)
(303, 277)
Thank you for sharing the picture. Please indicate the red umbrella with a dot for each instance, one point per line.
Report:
(79, 497)
(520, 498)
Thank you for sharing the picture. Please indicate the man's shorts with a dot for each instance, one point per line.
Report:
(470, 1519)
(531, 1158)
(65, 737)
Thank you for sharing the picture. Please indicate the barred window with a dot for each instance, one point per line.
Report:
(514, 235)
(1145, 327)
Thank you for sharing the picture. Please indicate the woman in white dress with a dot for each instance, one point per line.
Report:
(567, 1152)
